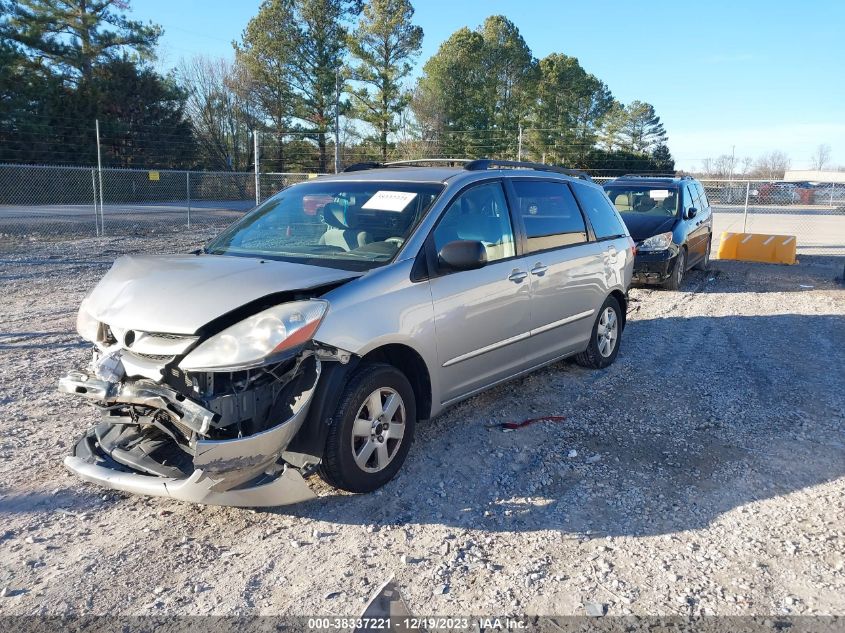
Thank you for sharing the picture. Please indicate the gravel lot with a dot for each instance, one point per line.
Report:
(703, 473)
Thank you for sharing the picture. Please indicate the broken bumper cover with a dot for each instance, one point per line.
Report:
(653, 266)
(286, 488)
(243, 472)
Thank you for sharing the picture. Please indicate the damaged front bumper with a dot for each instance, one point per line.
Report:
(170, 452)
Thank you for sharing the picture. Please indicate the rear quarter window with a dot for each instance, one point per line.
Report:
(595, 203)
(549, 214)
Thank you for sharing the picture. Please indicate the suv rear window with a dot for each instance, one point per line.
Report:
(606, 222)
(549, 213)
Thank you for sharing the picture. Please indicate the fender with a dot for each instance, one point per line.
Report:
(308, 444)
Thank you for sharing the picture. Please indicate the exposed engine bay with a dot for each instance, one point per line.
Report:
(183, 415)
(230, 427)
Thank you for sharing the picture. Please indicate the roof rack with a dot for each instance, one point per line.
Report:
(468, 164)
(685, 177)
(449, 162)
(418, 161)
(489, 163)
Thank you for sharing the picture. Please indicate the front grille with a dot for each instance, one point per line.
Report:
(159, 358)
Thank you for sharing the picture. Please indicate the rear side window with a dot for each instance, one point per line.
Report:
(690, 199)
(603, 216)
(702, 196)
(549, 213)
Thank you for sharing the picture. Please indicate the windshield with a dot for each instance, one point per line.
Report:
(639, 200)
(351, 225)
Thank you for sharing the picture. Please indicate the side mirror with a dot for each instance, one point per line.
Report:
(691, 213)
(462, 255)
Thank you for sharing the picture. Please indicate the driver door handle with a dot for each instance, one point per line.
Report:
(517, 276)
(539, 269)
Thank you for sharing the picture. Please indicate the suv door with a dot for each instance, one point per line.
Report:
(696, 231)
(481, 317)
(704, 218)
(567, 271)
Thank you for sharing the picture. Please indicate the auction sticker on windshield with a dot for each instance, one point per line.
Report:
(658, 194)
(389, 200)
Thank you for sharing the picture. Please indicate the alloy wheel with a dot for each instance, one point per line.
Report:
(378, 429)
(607, 332)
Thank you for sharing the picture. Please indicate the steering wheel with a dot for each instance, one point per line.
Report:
(395, 240)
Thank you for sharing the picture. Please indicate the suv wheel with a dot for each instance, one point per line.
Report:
(605, 339)
(674, 282)
(704, 264)
(372, 431)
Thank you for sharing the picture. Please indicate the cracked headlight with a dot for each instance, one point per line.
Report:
(257, 339)
(656, 242)
(87, 326)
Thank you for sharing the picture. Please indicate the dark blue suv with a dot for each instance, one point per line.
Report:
(670, 220)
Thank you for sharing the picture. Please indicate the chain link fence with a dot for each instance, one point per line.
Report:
(45, 203)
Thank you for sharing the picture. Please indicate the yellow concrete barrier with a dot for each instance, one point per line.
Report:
(756, 247)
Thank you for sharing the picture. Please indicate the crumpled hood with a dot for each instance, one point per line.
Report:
(178, 294)
(642, 226)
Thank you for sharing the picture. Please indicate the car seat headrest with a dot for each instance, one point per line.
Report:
(337, 216)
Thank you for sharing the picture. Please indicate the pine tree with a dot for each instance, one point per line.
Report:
(73, 36)
(382, 46)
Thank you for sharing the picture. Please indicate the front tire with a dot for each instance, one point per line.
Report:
(372, 430)
(605, 337)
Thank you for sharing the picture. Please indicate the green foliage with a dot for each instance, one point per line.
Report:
(476, 89)
(263, 57)
(449, 99)
(142, 117)
(568, 111)
(641, 130)
(619, 162)
(663, 161)
(73, 36)
(318, 44)
(382, 46)
(482, 86)
(65, 63)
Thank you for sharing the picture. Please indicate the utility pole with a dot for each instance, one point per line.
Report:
(519, 144)
(337, 121)
(257, 179)
(100, 176)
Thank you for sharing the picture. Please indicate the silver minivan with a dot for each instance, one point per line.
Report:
(314, 333)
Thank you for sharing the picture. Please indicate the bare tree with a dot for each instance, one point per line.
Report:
(821, 157)
(771, 166)
(222, 116)
(720, 167)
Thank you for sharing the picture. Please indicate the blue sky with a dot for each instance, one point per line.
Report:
(758, 75)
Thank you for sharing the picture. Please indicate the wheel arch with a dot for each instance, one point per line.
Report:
(622, 299)
(409, 362)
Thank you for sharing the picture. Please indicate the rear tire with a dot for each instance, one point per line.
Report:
(372, 430)
(605, 337)
(676, 279)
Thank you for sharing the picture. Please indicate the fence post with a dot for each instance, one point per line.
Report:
(94, 189)
(100, 174)
(188, 194)
(257, 177)
(832, 187)
(745, 213)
